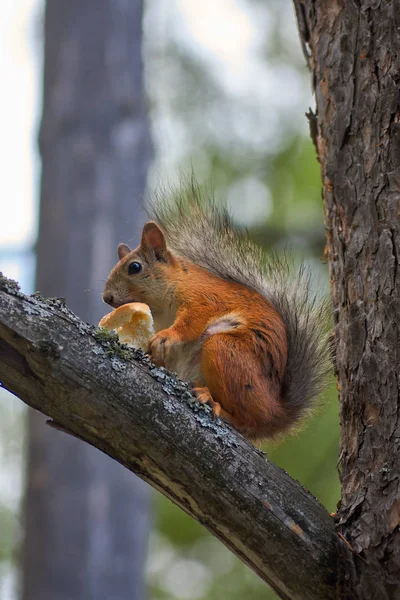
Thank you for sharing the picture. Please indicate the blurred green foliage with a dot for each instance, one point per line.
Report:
(12, 439)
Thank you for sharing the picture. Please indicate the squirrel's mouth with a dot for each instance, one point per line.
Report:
(118, 304)
(129, 301)
(114, 302)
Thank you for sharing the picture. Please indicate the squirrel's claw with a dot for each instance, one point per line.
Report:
(203, 395)
(160, 346)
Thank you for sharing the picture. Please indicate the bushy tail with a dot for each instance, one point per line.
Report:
(203, 233)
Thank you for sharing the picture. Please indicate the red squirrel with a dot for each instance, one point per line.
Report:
(227, 317)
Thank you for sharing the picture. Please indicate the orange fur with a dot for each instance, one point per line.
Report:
(223, 336)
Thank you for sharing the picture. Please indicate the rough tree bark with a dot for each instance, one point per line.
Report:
(148, 421)
(86, 518)
(353, 49)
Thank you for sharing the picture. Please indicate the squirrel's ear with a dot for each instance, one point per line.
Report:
(153, 238)
(123, 250)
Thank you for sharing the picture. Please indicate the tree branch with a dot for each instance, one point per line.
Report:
(146, 419)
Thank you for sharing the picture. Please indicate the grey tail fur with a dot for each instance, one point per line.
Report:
(203, 233)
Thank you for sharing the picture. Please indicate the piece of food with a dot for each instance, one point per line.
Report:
(132, 322)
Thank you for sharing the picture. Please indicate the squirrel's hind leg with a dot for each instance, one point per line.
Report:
(241, 380)
(203, 395)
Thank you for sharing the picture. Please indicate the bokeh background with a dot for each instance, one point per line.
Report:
(227, 91)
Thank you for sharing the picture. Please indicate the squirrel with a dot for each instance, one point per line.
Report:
(228, 318)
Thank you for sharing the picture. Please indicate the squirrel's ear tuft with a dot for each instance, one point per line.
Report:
(123, 250)
(153, 238)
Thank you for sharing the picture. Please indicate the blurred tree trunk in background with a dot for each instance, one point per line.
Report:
(87, 518)
(355, 56)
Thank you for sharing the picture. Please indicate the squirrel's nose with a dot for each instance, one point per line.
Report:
(108, 298)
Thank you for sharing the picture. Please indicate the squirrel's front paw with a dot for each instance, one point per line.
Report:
(160, 347)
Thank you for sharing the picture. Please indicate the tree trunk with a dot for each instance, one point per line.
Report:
(354, 53)
(86, 518)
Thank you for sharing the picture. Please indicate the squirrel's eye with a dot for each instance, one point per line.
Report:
(134, 268)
